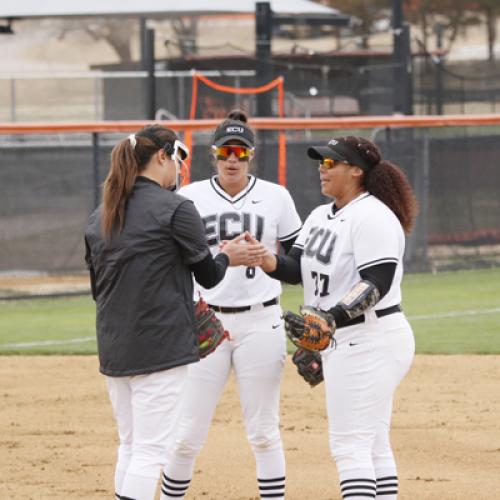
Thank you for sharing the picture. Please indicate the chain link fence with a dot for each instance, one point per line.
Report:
(49, 184)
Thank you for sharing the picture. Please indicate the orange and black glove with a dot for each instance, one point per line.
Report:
(312, 329)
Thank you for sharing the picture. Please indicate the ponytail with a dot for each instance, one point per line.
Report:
(390, 185)
(118, 187)
(128, 159)
(385, 180)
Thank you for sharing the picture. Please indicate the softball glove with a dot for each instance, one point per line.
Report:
(210, 331)
(309, 366)
(312, 330)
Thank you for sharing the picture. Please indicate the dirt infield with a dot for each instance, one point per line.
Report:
(57, 436)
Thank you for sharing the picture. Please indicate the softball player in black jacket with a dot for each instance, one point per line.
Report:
(142, 244)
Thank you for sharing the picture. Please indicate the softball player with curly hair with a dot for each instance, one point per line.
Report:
(142, 246)
(247, 302)
(349, 257)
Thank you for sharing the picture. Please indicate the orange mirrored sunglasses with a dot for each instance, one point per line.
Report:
(224, 152)
(329, 163)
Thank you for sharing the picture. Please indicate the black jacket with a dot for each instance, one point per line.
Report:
(142, 283)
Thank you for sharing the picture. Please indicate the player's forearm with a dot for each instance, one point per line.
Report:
(364, 295)
(288, 267)
(210, 271)
(376, 282)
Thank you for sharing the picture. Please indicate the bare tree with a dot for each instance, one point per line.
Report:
(186, 31)
(491, 11)
(117, 33)
(455, 16)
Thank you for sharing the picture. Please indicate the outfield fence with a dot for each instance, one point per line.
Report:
(51, 173)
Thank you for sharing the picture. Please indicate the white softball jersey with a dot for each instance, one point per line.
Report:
(264, 209)
(336, 246)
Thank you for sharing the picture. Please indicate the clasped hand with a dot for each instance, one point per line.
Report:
(244, 250)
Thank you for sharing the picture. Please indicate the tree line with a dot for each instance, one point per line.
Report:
(453, 16)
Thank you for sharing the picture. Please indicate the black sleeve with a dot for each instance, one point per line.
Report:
(287, 244)
(381, 276)
(189, 233)
(288, 267)
(90, 267)
(210, 271)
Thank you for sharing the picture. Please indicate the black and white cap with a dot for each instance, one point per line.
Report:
(340, 150)
(230, 130)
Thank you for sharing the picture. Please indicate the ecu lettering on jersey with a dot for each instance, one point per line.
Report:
(229, 225)
(320, 244)
(265, 210)
(335, 247)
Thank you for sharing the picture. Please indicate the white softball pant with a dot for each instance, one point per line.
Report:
(256, 352)
(145, 408)
(361, 375)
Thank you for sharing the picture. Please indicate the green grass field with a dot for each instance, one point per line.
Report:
(451, 313)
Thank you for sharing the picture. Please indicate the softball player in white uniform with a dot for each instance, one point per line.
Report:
(349, 256)
(247, 302)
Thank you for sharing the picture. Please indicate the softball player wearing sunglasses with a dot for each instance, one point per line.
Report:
(247, 301)
(349, 257)
(142, 244)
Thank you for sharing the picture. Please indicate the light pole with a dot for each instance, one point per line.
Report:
(403, 85)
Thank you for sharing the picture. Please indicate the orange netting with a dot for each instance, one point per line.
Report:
(277, 83)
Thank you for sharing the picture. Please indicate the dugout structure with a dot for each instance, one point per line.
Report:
(218, 107)
(51, 174)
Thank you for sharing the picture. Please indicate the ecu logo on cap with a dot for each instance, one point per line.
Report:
(333, 142)
(232, 130)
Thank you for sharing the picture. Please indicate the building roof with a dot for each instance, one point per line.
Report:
(154, 8)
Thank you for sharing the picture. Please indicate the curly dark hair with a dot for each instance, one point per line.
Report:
(387, 182)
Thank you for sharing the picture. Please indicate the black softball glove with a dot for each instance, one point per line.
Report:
(309, 366)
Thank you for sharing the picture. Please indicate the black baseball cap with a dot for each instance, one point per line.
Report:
(339, 149)
(233, 130)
